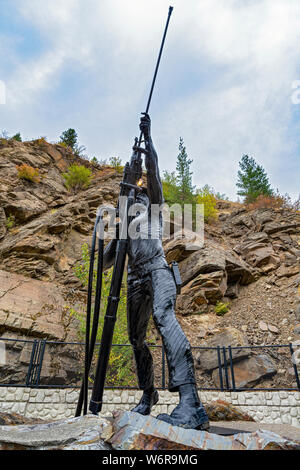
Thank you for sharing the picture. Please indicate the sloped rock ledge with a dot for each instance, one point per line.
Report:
(131, 431)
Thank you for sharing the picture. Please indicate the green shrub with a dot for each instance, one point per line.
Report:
(221, 309)
(10, 222)
(121, 367)
(116, 163)
(206, 197)
(28, 173)
(40, 141)
(78, 177)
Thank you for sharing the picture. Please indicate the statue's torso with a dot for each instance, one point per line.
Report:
(148, 246)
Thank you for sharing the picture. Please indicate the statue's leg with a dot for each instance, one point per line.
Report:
(139, 306)
(190, 412)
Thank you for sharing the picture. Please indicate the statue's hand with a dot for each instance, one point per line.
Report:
(145, 126)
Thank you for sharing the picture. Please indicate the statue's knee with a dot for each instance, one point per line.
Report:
(163, 310)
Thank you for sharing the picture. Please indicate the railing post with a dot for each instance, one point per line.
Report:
(220, 368)
(231, 368)
(295, 366)
(40, 362)
(226, 369)
(32, 359)
(36, 362)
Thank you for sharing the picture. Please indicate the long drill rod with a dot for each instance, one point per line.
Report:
(157, 66)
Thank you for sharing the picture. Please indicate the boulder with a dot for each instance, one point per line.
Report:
(288, 271)
(207, 359)
(22, 205)
(248, 372)
(31, 309)
(213, 257)
(208, 259)
(204, 289)
(238, 271)
(132, 431)
(71, 434)
(14, 419)
(221, 410)
(180, 247)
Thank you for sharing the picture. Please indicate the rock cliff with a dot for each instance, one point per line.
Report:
(249, 260)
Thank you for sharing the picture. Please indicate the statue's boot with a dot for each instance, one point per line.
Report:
(189, 413)
(148, 400)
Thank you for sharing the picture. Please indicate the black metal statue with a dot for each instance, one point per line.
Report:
(152, 288)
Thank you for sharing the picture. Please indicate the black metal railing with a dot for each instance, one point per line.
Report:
(49, 364)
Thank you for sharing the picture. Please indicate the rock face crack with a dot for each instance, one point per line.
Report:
(10, 290)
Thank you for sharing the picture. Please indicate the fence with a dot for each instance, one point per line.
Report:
(47, 364)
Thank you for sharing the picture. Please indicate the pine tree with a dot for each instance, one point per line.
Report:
(184, 175)
(69, 138)
(252, 180)
(17, 137)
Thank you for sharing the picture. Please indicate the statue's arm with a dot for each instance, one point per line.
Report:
(154, 184)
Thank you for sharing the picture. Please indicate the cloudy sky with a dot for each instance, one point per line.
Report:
(225, 84)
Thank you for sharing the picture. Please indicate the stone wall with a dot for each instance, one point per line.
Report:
(54, 404)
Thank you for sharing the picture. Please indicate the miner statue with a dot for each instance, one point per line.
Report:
(152, 289)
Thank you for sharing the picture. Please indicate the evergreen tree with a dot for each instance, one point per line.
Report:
(69, 138)
(252, 180)
(17, 137)
(184, 175)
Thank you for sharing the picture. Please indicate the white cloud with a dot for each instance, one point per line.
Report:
(244, 106)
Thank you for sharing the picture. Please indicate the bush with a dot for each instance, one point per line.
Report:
(41, 141)
(276, 201)
(28, 173)
(206, 197)
(116, 163)
(221, 309)
(10, 222)
(78, 177)
(170, 189)
(121, 368)
(63, 144)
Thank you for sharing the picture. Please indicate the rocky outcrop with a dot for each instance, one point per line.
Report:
(249, 372)
(207, 359)
(132, 431)
(208, 271)
(34, 309)
(248, 260)
(42, 230)
(49, 225)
